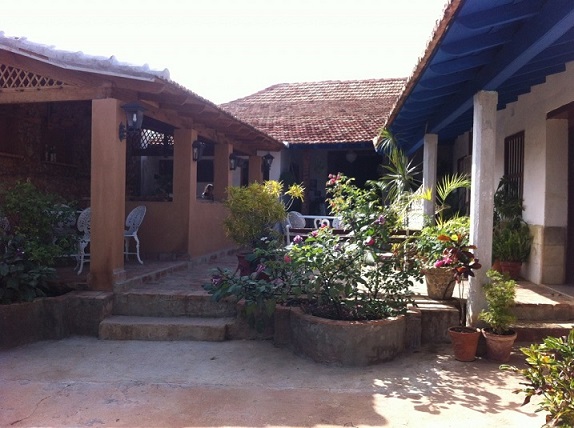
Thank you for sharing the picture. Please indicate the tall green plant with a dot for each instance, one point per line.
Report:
(500, 294)
(255, 209)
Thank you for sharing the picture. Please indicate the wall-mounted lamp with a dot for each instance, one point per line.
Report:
(267, 161)
(233, 161)
(197, 150)
(134, 119)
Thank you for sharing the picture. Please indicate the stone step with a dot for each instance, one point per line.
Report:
(161, 328)
(558, 311)
(535, 332)
(166, 303)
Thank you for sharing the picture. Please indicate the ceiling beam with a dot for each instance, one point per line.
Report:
(553, 22)
(500, 15)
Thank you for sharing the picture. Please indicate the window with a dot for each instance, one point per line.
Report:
(514, 161)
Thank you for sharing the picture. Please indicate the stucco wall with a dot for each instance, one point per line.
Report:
(542, 144)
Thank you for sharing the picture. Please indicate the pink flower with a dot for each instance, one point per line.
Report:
(298, 239)
(439, 263)
(370, 241)
(314, 234)
(287, 258)
(381, 220)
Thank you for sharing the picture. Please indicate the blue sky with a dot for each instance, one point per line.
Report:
(226, 49)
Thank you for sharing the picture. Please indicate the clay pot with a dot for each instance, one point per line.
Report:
(440, 283)
(511, 268)
(244, 265)
(498, 346)
(464, 342)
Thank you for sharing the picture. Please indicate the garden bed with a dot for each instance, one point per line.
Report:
(52, 318)
(346, 343)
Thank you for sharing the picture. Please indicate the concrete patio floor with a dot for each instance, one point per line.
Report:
(84, 381)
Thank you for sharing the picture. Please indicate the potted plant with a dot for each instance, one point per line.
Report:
(254, 211)
(511, 240)
(459, 259)
(347, 290)
(500, 295)
(429, 252)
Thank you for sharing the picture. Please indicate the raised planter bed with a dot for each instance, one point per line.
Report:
(51, 318)
(347, 343)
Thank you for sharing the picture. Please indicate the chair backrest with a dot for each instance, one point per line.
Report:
(4, 224)
(296, 219)
(135, 218)
(84, 223)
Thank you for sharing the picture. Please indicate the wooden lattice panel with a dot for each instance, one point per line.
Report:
(15, 78)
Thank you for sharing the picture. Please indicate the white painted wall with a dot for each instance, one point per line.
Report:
(545, 148)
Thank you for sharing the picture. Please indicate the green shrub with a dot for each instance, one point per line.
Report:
(500, 295)
(550, 375)
(21, 279)
(38, 217)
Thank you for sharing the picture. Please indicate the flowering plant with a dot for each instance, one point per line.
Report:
(358, 276)
(458, 256)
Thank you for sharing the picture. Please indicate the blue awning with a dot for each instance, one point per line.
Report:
(506, 46)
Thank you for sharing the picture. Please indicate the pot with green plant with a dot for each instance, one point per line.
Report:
(429, 249)
(254, 212)
(458, 257)
(500, 297)
(511, 239)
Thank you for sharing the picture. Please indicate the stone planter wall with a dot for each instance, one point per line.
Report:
(52, 318)
(347, 343)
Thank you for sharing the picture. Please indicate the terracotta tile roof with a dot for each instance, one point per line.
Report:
(325, 112)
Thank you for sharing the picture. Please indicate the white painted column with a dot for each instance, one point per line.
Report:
(430, 154)
(482, 196)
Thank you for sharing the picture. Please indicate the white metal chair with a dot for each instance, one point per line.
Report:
(4, 224)
(295, 220)
(84, 226)
(133, 223)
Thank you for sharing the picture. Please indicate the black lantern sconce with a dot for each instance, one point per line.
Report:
(134, 119)
(233, 162)
(197, 150)
(267, 161)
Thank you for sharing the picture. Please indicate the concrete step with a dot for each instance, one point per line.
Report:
(162, 328)
(535, 332)
(157, 303)
(557, 311)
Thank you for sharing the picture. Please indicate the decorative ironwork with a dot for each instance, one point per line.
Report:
(152, 143)
(16, 78)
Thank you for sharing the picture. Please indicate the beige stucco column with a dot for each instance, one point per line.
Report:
(222, 177)
(482, 195)
(430, 154)
(108, 180)
(184, 186)
(547, 263)
(255, 173)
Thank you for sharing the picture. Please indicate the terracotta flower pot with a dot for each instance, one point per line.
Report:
(511, 268)
(464, 342)
(440, 283)
(498, 346)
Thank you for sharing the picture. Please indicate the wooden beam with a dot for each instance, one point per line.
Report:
(66, 93)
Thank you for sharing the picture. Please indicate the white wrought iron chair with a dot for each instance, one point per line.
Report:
(295, 220)
(4, 224)
(133, 223)
(84, 226)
